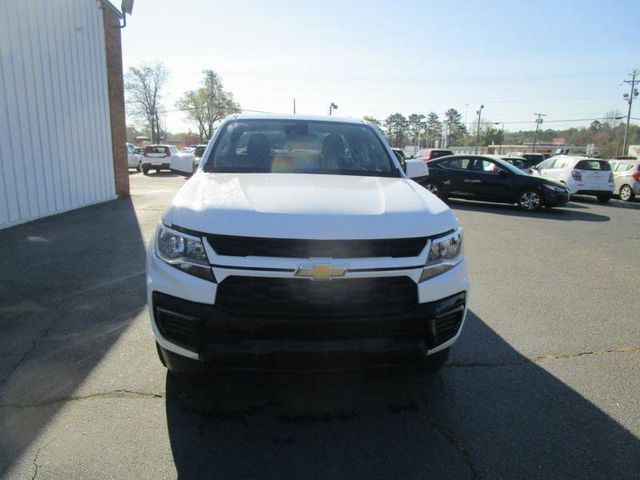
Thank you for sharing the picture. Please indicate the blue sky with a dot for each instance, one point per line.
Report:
(565, 59)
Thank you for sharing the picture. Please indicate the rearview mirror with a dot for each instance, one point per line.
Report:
(416, 169)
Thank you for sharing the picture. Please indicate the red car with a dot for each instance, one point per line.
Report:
(428, 154)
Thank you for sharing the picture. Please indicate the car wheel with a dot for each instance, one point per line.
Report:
(603, 198)
(435, 189)
(139, 167)
(157, 170)
(145, 171)
(436, 361)
(529, 200)
(626, 193)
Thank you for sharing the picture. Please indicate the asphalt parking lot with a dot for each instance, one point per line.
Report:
(543, 383)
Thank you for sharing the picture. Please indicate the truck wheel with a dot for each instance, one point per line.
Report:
(433, 363)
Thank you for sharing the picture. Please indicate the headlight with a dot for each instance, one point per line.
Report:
(183, 251)
(554, 188)
(444, 254)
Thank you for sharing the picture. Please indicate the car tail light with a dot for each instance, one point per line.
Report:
(636, 176)
(610, 177)
(576, 175)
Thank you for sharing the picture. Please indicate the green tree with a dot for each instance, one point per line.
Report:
(415, 126)
(433, 128)
(456, 129)
(208, 104)
(374, 120)
(396, 126)
(491, 135)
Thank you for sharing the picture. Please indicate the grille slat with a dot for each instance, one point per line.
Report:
(239, 246)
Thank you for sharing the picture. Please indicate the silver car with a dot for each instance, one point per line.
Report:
(626, 175)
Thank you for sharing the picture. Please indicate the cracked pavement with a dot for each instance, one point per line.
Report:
(543, 383)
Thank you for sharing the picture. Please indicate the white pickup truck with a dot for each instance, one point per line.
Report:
(300, 243)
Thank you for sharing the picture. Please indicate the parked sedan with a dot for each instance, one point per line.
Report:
(428, 154)
(489, 178)
(626, 176)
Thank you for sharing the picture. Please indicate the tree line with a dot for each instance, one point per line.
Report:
(430, 131)
(202, 107)
(424, 130)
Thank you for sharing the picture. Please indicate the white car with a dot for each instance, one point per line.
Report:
(583, 176)
(158, 157)
(134, 160)
(301, 243)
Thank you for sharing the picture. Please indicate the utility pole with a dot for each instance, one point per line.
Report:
(629, 98)
(501, 136)
(294, 106)
(332, 107)
(538, 123)
(479, 112)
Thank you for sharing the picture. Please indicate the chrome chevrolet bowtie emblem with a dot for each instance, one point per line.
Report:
(321, 272)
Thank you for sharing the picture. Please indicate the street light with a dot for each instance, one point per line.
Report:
(479, 112)
(332, 107)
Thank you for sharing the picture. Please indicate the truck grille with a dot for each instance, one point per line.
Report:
(293, 248)
(257, 296)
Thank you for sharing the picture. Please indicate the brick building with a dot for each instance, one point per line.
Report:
(62, 120)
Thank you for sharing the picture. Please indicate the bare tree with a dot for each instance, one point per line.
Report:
(144, 85)
(208, 104)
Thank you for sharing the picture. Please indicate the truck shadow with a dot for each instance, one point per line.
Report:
(490, 413)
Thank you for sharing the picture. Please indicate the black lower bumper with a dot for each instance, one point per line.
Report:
(307, 342)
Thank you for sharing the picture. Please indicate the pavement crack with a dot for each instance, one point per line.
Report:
(452, 438)
(37, 455)
(129, 394)
(543, 358)
(57, 303)
(559, 356)
(34, 342)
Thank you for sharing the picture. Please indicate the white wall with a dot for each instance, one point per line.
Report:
(55, 138)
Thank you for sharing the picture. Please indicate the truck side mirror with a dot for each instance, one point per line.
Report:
(416, 169)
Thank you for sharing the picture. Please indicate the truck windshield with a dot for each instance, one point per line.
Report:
(300, 146)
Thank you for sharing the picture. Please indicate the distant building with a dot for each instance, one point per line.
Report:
(62, 121)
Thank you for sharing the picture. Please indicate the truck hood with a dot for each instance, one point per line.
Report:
(308, 206)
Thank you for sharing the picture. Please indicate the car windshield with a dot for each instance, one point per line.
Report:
(300, 146)
(440, 153)
(593, 165)
(507, 166)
